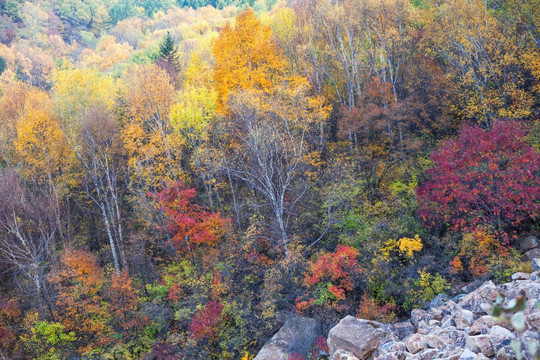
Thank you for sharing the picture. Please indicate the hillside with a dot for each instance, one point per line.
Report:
(180, 178)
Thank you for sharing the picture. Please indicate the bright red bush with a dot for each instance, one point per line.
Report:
(206, 321)
(188, 223)
(487, 178)
(335, 271)
(321, 344)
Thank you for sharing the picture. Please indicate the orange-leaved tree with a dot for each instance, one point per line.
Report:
(479, 253)
(125, 307)
(80, 307)
(10, 318)
(247, 57)
(40, 144)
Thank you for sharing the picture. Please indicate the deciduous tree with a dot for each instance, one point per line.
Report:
(247, 57)
(27, 236)
(479, 53)
(84, 101)
(488, 178)
(80, 308)
(270, 148)
(186, 224)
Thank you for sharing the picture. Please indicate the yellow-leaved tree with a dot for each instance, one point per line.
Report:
(270, 146)
(481, 56)
(192, 116)
(75, 90)
(40, 144)
(85, 102)
(41, 149)
(247, 57)
(197, 104)
(11, 108)
(151, 145)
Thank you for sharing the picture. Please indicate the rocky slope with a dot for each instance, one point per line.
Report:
(462, 328)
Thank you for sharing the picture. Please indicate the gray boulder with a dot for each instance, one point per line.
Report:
(470, 287)
(297, 335)
(528, 243)
(467, 355)
(520, 276)
(404, 329)
(419, 318)
(506, 353)
(416, 343)
(355, 336)
(463, 318)
(533, 254)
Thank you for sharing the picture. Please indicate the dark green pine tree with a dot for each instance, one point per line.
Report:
(2, 65)
(168, 51)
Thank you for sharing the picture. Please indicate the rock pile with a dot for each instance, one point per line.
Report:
(463, 330)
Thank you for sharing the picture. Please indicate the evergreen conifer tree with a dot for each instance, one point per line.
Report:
(168, 51)
(2, 65)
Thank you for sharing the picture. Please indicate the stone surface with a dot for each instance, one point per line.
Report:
(520, 276)
(415, 343)
(434, 341)
(482, 325)
(484, 344)
(428, 354)
(471, 344)
(528, 243)
(399, 347)
(297, 335)
(463, 330)
(470, 287)
(392, 356)
(506, 353)
(344, 355)
(500, 331)
(353, 335)
(481, 300)
(498, 342)
(447, 322)
(419, 318)
(467, 355)
(439, 300)
(436, 314)
(458, 298)
(404, 329)
(532, 254)
(535, 263)
(533, 320)
(463, 319)
(480, 344)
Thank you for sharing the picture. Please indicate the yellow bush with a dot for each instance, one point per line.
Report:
(406, 247)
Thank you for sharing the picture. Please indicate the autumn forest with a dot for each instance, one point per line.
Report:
(179, 177)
